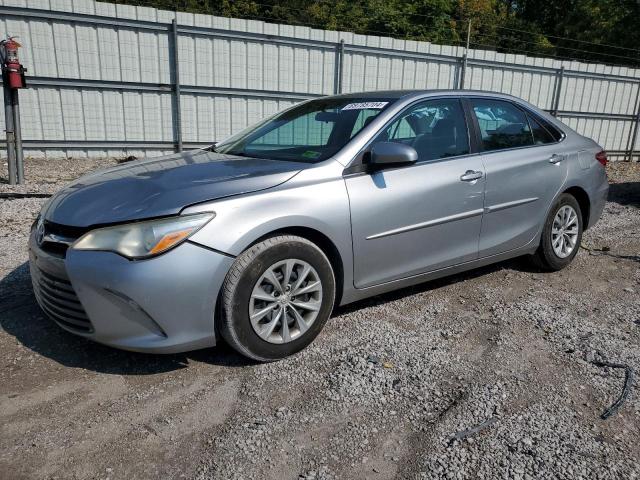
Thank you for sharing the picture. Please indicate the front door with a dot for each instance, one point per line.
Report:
(422, 217)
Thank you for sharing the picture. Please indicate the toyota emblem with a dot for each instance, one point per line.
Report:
(40, 233)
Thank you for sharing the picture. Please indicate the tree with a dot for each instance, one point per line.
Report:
(593, 30)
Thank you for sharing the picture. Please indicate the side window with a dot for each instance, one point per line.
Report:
(402, 131)
(540, 134)
(435, 128)
(502, 124)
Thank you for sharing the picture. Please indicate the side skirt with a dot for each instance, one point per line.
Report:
(354, 294)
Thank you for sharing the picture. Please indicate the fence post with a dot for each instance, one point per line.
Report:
(17, 136)
(463, 71)
(175, 69)
(634, 137)
(633, 130)
(11, 146)
(14, 163)
(558, 88)
(339, 66)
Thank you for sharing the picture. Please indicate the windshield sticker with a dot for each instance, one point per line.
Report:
(364, 105)
(311, 154)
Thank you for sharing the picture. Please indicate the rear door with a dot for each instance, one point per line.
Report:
(421, 217)
(525, 168)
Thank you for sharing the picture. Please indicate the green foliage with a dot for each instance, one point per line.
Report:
(579, 29)
(587, 29)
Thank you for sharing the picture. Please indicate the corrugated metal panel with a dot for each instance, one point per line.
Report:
(261, 60)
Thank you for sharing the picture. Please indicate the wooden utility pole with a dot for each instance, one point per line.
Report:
(463, 74)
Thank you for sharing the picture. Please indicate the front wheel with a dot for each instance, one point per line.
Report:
(561, 235)
(276, 298)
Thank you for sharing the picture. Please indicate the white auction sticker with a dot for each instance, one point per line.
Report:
(364, 105)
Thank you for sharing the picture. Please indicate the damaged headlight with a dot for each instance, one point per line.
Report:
(144, 239)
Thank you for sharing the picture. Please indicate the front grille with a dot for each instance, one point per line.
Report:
(58, 299)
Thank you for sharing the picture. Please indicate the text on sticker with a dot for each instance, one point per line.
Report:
(363, 105)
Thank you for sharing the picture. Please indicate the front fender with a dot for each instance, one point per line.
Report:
(239, 221)
(234, 237)
(318, 204)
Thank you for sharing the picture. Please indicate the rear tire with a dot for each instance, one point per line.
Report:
(561, 235)
(266, 318)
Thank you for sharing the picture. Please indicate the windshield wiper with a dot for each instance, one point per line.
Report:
(238, 154)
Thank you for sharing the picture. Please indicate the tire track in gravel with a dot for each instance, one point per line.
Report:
(77, 425)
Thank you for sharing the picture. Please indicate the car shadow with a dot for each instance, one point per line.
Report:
(21, 317)
(625, 193)
(518, 264)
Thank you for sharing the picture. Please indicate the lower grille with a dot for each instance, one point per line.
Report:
(58, 299)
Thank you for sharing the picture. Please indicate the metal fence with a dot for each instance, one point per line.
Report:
(117, 80)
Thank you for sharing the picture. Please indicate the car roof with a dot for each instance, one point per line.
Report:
(410, 94)
(397, 94)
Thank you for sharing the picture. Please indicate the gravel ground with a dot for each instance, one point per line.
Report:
(388, 390)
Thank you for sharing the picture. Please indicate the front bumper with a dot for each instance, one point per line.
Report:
(161, 305)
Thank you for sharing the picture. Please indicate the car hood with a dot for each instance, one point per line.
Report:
(162, 186)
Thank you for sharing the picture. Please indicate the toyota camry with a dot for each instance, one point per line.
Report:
(256, 239)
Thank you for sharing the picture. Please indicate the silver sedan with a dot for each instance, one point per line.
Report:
(256, 239)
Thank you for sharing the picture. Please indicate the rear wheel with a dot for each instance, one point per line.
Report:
(561, 235)
(276, 298)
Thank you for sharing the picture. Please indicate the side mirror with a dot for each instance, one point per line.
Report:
(386, 154)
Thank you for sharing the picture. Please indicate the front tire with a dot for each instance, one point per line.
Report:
(276, 298)
(561, 235)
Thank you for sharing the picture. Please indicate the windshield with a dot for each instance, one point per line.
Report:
(310, 132)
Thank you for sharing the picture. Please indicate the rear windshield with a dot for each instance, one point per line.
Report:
(310, 132)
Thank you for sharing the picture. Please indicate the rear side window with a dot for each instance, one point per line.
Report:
(541, 135)
(435, 128)
(502, 124)
(555, 133)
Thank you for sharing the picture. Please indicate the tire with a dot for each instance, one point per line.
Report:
(249, 278)
(547, 257)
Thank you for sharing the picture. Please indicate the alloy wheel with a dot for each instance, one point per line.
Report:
(285, 301)
(564, 231)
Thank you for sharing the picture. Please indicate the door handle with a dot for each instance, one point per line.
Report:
(470, 176)
(555, 158)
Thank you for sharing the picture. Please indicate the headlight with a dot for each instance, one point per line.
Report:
(143, 239)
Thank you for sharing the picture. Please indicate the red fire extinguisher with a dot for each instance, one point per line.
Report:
(12, 70)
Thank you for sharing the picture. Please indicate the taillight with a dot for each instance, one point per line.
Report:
(602, 158)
